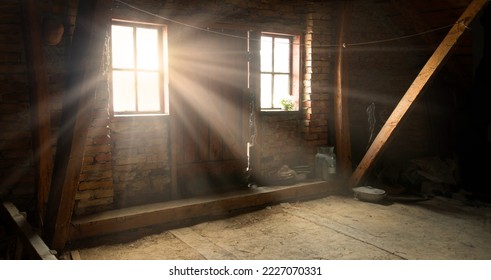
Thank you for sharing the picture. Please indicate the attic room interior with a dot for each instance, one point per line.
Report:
(127, 116)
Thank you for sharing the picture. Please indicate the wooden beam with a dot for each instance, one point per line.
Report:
(429, 69)
(177, 213)
(84, 76)
(32, 245)
(412, 16)
(340, 108)
(40, 113)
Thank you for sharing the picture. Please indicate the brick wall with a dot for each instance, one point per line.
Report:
(127, 162)
(286, 137)
(141, 164)
(95, 191)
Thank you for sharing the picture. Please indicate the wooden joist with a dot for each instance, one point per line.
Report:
(30, 245)
(429, 70)
(93, 20)
(180, 212)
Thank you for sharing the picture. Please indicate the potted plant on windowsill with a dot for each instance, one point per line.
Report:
(287, 104)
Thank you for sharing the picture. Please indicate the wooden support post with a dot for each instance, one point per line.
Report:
(84, 68)
(340, 108)
(429, 69)
(40, 113)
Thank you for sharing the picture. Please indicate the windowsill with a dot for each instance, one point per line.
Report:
(138, 117)
(279, 111)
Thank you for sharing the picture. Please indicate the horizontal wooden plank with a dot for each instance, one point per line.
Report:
(206, 207)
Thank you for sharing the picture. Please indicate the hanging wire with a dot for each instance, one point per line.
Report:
(372, 120)
(344, 45)
(179, 22)
(398, 38)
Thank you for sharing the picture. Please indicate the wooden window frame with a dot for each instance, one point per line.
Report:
(163, 71)
(294, 74)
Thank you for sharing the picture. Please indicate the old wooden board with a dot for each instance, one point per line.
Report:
(180, 211)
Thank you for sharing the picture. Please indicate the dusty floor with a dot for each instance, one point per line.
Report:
(336, 227)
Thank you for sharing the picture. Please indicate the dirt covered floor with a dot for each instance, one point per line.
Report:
(336, 227)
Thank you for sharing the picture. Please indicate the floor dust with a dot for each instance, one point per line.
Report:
(330, 228)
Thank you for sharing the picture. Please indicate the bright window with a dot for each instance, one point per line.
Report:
(139, 69)
(279, 72)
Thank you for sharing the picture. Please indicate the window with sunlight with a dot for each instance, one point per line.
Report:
(279, 72)
(139, 69)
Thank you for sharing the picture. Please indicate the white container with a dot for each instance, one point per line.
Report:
(369, 194)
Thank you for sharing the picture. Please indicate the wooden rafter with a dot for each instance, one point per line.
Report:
(83, 77)
(429, 70)
(40, 114)
(411, 15)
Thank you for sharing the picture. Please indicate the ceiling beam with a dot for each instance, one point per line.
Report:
(435, 62)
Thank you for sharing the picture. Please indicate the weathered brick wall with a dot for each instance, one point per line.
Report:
(127, 162)
(281, 141)
(95, 191)
(292, 138)
(141, 161)
(286, 138)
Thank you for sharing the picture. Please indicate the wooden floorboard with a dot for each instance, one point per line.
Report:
(201, 208)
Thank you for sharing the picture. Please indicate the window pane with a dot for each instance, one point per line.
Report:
(266, 80)
(123, 91)
(122, 46)
(148, 91)
(282, 55)
(147, 48)
(281, 89)
(266, 55)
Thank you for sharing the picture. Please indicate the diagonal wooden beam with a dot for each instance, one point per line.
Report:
(31, 243)
(429, 69)
(410, 14)
(86, 58)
